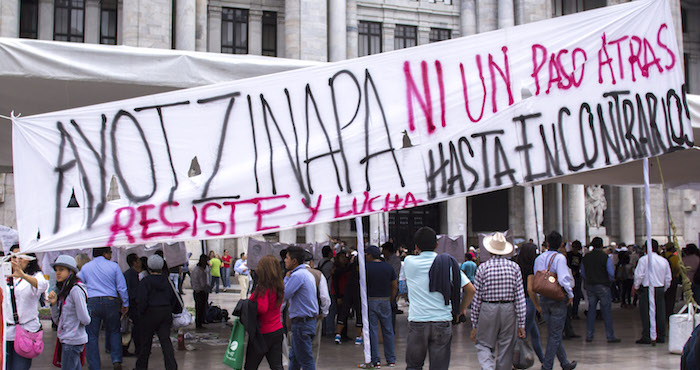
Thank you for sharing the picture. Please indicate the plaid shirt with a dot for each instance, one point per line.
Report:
(499, 279)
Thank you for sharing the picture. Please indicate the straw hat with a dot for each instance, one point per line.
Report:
(497, 244)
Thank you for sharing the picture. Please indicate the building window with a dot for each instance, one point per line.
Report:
(439, 34)
(234, 31)
(108, 23)
(269, 34)
(370, 38)
(405, 37)
(28, 19)
(69, 20)
(564, 7)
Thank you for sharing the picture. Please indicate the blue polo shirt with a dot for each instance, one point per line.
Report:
(425, 305)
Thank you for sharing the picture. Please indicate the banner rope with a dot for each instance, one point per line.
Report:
(685, 280)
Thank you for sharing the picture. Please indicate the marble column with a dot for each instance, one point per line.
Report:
(626, 214)
(351, 29)
(255, 32)
(486, 15)
(306, 29)
(558, 208)
(288, 236)
(310, 235)
(185, 24)
(388, 32)
(322, 232)
(9, 18)
(457, 218)
(45, 20)
(337, 30)
(467, 19)
(532, 213)
(200, 27)
(506, 15)
(214, 30)
(91, 30)
(576, 211)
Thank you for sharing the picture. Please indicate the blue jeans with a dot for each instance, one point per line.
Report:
(226, 276)
(103, 309)
(70, 357)
(532, 330)
(175, 278)
(301, 354)
(599, 292)
(215, 281)
(380, 313)
(554, 313)
(15, 361)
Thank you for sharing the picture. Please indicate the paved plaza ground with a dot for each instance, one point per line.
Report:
(208, 346)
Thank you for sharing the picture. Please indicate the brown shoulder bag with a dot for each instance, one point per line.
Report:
(546, 284)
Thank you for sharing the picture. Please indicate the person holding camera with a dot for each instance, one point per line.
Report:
(20, 305)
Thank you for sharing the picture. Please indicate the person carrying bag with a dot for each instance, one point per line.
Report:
(69, 311)
(546, 284)
(24, 337)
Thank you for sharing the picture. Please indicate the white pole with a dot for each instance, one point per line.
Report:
(650, 250)
(363, 289)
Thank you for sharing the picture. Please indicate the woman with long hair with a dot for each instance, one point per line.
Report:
(28, 283)
(526, 261)
(69, 310)
(268, 294)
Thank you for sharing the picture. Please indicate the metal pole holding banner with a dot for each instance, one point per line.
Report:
(650, 250)
(363, 289)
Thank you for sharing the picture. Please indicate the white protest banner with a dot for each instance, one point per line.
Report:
(366, 135)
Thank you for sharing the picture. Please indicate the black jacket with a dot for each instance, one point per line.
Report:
(442, 268)
(247, 310)
(155, 290)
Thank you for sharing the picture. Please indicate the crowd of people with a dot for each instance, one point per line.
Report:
(297, 302)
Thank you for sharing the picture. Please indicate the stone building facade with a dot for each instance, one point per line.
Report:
(333, 30)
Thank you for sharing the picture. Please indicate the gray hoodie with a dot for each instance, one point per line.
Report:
(73, 318)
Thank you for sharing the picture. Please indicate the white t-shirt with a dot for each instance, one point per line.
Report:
(27, 298)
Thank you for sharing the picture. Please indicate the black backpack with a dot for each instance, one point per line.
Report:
(213, 314)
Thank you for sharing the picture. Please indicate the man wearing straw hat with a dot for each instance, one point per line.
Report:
(499, 305)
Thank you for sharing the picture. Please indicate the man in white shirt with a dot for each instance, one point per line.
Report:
(659, 280)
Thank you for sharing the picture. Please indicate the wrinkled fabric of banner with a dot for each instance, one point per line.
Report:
(374, 134)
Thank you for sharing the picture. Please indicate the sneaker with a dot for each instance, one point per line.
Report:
(391, 364)
(614, 340)
(337, 339)
(369, 366)
(570, 366)
(358, 341)
(643, 341)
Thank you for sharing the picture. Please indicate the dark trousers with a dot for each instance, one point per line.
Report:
(182, 280)
(157, 320)
(135, 330)
(670, 298)
(578, 294)
(253, 357)
(200, 307)
(432, 337)
(660, 313)
(627, 291)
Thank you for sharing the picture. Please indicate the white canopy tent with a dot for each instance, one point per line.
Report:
(46, 76)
